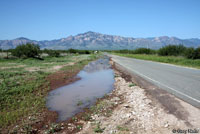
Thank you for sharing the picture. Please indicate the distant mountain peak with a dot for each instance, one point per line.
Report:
(22, 38)
(89, 33)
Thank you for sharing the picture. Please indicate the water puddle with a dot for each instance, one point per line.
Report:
(97, 79)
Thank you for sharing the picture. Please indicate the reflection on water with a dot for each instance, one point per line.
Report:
(96, 79)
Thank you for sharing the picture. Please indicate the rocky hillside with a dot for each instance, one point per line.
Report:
(93, 40)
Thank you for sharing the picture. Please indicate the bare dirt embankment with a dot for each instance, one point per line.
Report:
(141, 110)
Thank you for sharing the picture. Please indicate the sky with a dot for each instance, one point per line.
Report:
(55, 19)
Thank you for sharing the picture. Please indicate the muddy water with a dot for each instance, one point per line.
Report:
(97, 79)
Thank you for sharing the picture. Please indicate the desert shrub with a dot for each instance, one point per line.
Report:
(172, 50)
(74, 51)
(197, 53)
(189, 53)
(18, 51)
(136, 51)
(125, 51)
(83, 51)
(52, 53)
(192, 53)
(144, 51)
(28, 50)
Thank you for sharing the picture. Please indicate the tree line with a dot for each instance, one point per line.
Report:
(169, 50)
(30, 50)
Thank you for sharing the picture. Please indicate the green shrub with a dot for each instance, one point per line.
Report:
(52, 53)
(192, 53)
(27, 50)
(98, 129)
(189, 53)
(136, 51)
(125, 51)
(18, 51)
(172, 50)
(144, 51)
(197, 53)
(74, 51)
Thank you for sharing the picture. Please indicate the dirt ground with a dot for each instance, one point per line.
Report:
(140, 111)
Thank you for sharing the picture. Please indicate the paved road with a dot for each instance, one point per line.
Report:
(181, 81)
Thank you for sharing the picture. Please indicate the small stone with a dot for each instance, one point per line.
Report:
(133, 113)
(62, 127)
(115, 99)
(126, 106)
(166, 125)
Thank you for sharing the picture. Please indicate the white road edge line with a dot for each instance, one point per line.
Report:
(164, 85)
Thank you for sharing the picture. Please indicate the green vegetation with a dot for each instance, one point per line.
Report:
(30, 50)
(52, 53)
(86, 117)
(169, 50)
(79, 127)
(103, 107)
(98, 129)
(192, 53)
(122, 128)
(173, 54)
(74, 119)
(172, 50)
(131, 85)
(180, 50)
(166, 59)
(136, 51)
(24, 84)
(26, 50)
(79, 103)
(53, 129)
(75, 51)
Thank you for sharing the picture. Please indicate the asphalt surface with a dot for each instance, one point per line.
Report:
(183, 82)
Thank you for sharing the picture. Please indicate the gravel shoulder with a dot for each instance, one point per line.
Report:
(142, 109)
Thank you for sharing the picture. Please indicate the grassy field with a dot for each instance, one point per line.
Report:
(165, 59)
(23, 83)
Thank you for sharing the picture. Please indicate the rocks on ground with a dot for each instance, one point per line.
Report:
(135, 113)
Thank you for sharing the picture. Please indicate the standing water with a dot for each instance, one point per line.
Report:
(97, 79)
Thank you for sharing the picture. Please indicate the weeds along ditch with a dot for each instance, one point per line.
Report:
(24, 84)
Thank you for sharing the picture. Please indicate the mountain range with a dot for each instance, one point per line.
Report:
(97, 41)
